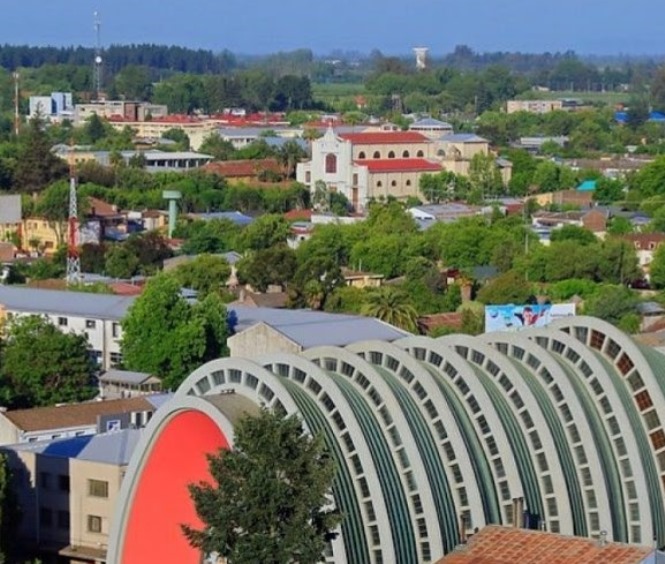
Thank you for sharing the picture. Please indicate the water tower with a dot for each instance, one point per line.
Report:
(421, 57)
(172, 197)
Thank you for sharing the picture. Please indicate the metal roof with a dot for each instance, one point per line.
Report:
(80, 304)
(463, 138)
(108, 448)
(10, 209)
(430, 122)
(314, 328)
(125, 376)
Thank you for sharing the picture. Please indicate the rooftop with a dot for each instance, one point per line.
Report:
(315, 328)
(10, 209)
(125, 376)
(74, 415)
(247, 167)
(384, 137)
(506, 545)
(399, 165)
(108, 448)
(463, 138)
(81, 304)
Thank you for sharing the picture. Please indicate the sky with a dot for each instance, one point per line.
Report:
(392, 26)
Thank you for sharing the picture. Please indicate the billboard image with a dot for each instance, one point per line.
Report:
(516, 317)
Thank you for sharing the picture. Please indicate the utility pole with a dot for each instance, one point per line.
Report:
(17, 115)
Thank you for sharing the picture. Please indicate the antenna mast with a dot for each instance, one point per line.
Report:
(17, 101)
(97, 76)
(73, 258)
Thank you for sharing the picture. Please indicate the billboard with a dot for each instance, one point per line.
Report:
(511, 317)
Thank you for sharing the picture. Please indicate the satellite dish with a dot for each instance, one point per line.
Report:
(98, 60)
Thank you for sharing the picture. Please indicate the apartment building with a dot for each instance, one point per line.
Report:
(67, 490)
(96, 315)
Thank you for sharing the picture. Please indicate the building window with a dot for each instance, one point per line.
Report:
(45, 517)
(115, 330)
(391, 155)
(44, 480)
(63, 519)
(331, 163)
(116, 358)
(408, 183)
(379, 184)
(393, 183)
(63, 483)
(90, 324)
(62, 322)
(361, 155)
(98, 488)
(420, 154)
(355, 179)
(94, 524)
(405, 155)
(376, 155)
(308, 176)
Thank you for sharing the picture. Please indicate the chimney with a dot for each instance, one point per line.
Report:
(462, 529)
(602, 540)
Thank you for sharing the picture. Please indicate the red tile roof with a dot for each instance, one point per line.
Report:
(298, 215)
(100, 208)
(242, 168)
(645, 241)
(384, 137)
(400, 165)
(507, 545)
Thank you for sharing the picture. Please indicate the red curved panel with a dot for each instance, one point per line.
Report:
(161, 501)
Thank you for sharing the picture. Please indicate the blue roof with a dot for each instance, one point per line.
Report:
(234, 216)
(587, 186)
(108, 448)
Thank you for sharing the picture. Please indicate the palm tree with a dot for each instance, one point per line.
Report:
(393, 306)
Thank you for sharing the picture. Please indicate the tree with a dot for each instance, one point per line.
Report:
(42, 366)
(657, 268)
(272, 266)
(9, 513)
(36, 166)
(611, 303)
(121, 262)
(133, 83)
(265, 231)
(575, 233)
(94, 128)
(393, 306)
(206, 274)
(485, 176)
(269, 497)
(508, 288)
(165, 335)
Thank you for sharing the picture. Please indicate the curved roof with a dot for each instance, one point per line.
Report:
(434, 438)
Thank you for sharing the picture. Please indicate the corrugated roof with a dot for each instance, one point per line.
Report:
(246, 167)
(125, 376)
(400, 165)
(234, 216)
(384, 137)
(73, 415)
(315, 328)
(81, 304)
(10, 209)
(507, 545)
(430, 123)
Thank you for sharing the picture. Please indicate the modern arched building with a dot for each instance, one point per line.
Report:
(558, 428)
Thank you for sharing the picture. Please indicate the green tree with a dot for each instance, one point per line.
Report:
(41, 365)
(121, 262)
(206, 274)
(657, 268)
(9, 513)
(485, 176)
(272, 266)
(393, 306)
(269, 497)
(95, 129)
(265, 231)
(133, 83)
(164, 334)
(508, 288)
(575, 233)
(611, 303)
(36, 166)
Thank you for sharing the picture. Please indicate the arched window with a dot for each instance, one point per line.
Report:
(376, 155)
(361, 155)
(393, 183)
(379, 184)
(391, 155)
(420, 154)
(405, 155)
(331, 163)
(408, 183)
